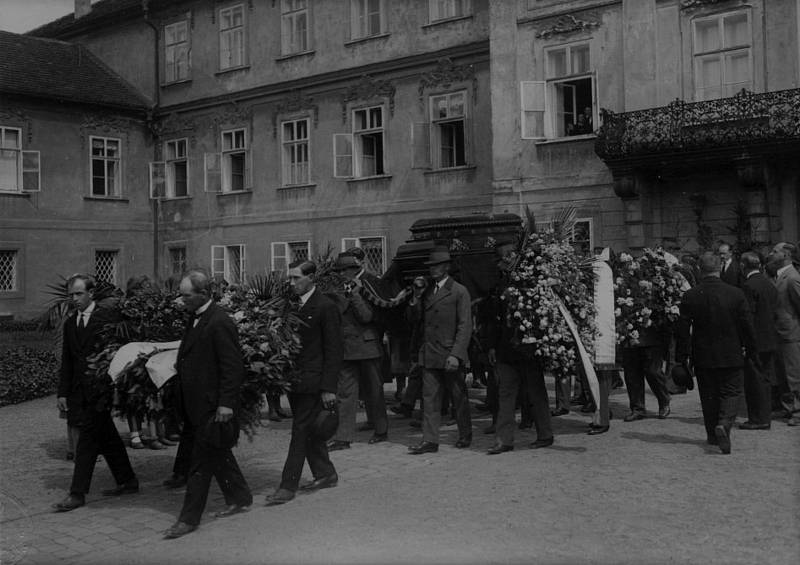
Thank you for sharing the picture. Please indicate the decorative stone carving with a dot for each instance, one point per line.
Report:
(233, 114)
(17, 115)
(696, 4)
(294, 102)
(444, 75)
(175, 124)
(566, 24)
(365, 89)
(99, 123)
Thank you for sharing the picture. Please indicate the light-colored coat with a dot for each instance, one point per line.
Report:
(447, 324)
(787, 314)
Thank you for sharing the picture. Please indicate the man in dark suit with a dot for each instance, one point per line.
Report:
(730, 271)
(317, 366)
(363, 349)
(762, 296)
(210, 372)
(444, 312)
(87, 401)
(787, 323)
(714, 326)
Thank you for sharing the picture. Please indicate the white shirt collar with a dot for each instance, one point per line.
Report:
(440, 284)
(783, 269)
(304, 297)
(202, 309)
(86, 314)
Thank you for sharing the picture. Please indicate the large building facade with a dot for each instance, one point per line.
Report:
(277, 129)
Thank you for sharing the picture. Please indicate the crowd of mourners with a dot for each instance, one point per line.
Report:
(738, 337)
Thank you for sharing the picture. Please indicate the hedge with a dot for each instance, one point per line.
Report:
(27, 373)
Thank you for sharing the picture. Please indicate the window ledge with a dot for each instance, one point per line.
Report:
(106, 198)
(307, 186)
(444, 21)
(367, 38)
(356, 180)
(172, 198)
(235, 192)
(557, 140)
(18, 193)
(176, 82)
(289, 56)
(232, 69)
(450, 170)
(9, 294)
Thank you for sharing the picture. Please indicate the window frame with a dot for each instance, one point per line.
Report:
(289, 150)
(436, 142)
(116, 252)
(370, 131)
(224, 33)
(17, 270)
(721, 54)
(226, 161)
(291, 13)
(177, 247)
(226, 262)
(286, 255)
(590, 230)
(359, 12)
(22, 172)
(117, 169)
(175, 76)
(348, 242)
(553, 81)
(434, 14)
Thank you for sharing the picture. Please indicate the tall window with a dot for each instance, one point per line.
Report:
(294, 26)
(231, 37)
(374, 251)
(19, 170)
(106, 162)
(177, 171)
(286, 252)
(581, 237)
(8, 270)
(177, 260)
(722, 55)
(105, 265)
(295, 152)
(368, 141)
(570, 90)
(227, 261)
(176, 51)
(366, 17)
(234, 160)
(446, 9)
(449, 130)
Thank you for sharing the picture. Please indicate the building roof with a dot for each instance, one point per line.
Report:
(103, 12)
(45, 68)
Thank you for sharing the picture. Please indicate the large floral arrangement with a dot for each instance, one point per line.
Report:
(549, 271)
(647, 293)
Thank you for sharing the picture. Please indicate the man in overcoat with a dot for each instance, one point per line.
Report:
(317, 374)
(787, 322)
(210, 372)
(444, 312)
(87, 400)
(713, 329)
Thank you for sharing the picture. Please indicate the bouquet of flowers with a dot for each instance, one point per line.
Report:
(549, 272)
(647, 293)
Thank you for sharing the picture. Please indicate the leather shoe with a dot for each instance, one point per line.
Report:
(663, 412)
(175, 481)
(366, 426)
(402, 410)
(167, 442)
(542, 443)
(424, 447)
(588, 407)
(72, 502)
(559, 412)
(323, 482)
(464, 442)
(723, 439)
(751, 426)
(231, 510)
(712, 440)
(499, 448)
(488, 430)
(378, 438)
(131, 487)
(280, 496)
(179, 529)
(633, 416)
(598, 430)
(336, 445)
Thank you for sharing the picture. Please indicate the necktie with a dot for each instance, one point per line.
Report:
(81, 324)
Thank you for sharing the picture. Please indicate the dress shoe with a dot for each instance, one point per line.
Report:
(723, 439)
(323, 482)
(378, 438)
(402, 410)
(231, 510)
(751, 426)
(282, 413)
(598, 430)
(366, 427)
(155, 444)
(424, 447)
(499, 448)
(712, 440)
(337, 445)
(578, 400)
(488, 430)
(559, 412)
(174, 437)
(179, 529)
(280, 496)
(464, 442)
(633, 416)
(589, 407)
(272, 416)
(539, 443)
(72, 502)
(136, 443)
(167, 442)
(175, 481)
(131, 487)
(526, 424)
(415, 423)
(449, 422)
(663, 412)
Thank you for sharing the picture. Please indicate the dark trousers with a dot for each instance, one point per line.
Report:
(642, 363)
(99, 436)
(563, 392)
(368, 371)
(208, 462)
(413, 390)
(492, 393)
(434, 381)
(304, 445)
(720, 394)
(603, 413)
(758, 388)
(529, 376)
(183, 457)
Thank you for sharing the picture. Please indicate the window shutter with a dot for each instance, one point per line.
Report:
(158, 179)
(349, 242)
(280, 256)
(248, 170)
(242, 264)
(217, 260)
(532, 103)
(469, 154)
(421, 144)
(342, 155)
(31, 171)
(213, 172)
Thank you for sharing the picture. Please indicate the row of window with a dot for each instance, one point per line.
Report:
(367, 19)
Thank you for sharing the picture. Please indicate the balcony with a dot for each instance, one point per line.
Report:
(697, 134)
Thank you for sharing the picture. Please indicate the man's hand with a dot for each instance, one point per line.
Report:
(492, 355)
(223, 414)
(62, 403)
(328, 400)
(451, 363)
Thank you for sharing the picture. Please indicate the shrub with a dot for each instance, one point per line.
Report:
(27, 373)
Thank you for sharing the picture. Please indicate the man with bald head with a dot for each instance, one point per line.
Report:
(787, 322)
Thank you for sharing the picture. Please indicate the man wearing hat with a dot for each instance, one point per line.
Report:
(362, 357)
(444, 313)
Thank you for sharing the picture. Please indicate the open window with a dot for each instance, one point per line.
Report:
(228, 263)
(361, 154)
(286, 252)
(229, 171)
(170, 178)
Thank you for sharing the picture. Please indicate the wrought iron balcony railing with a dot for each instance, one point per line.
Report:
(743, 120)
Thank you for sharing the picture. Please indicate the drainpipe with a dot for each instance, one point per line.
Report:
(150, 117)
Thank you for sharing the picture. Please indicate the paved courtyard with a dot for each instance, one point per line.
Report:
(646, 492)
